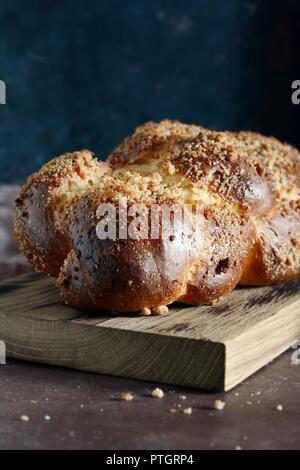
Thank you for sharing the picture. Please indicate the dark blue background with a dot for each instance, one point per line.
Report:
(84, 73)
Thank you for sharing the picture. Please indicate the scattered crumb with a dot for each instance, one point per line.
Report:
(160, 310)
(219, 405)
(173, 410)
(179, 405)
(101, 410)
(24, 418)
(157, 393)
(182, 397)
(126, 396)
(145, 312)
(47, 417)
(248, 402)
(188, 411)
(81, 406)
(279, 408)
(238, 448)
(258, 402)
(34, 402)
(236, 394)
(258, 393)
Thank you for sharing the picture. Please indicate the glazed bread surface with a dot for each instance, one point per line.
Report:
(42, 205)
(247, 189)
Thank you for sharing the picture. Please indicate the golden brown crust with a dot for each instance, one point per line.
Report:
(150, 138)
(124, 275)
(216, 162)
(230, 238)
(248, 186)
(41, 205)
(275, 257)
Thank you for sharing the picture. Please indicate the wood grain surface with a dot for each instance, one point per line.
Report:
(214, 348)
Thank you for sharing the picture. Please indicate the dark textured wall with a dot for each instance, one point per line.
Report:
(84, 73)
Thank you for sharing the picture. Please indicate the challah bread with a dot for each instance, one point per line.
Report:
(249, 227)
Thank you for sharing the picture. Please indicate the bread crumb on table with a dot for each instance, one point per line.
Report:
(219, 405)
(24, 418)
(160, 310)
(238, 448)
(126, 396)
(145, 312)
(47, 417)
(157, 393)
(188, 411)
(279, 408)
(182, 397)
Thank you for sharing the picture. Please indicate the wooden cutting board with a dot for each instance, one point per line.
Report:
(206, 347)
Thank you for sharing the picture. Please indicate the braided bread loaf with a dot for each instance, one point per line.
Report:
(247, 186)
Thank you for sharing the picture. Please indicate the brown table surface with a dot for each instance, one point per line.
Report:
(86, 412)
